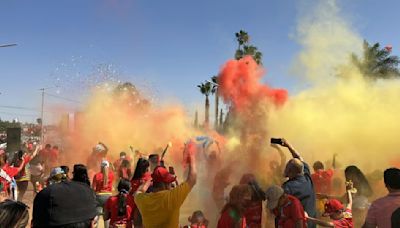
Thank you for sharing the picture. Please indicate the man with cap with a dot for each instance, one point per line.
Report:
(288, 211)
(161, 207)
(69, 203)
(300, 184)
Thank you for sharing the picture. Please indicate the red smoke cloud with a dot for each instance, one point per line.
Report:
(239, 84)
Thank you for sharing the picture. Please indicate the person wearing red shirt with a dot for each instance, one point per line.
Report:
(7, 173)
(253, 211)
(23, 177)
(53, 156)
(322, 178)
(232, 214)
(119, 209)
(341, 217)
(45, 154)
(103, 185)
(124, 170)
(140, 176)
(288, 211)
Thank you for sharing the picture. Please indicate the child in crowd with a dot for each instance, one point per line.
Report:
(340, 216)
(197, 220)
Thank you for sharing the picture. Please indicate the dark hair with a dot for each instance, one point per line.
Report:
(48, 146)
(141, 167)
(318, 165)
(125, 164)
(392, 178)
(55, 147)
(359, 180)
(124, 187)
(17, 158)
(154, 158)
(80, 174)
(122, 154)
(13, 214)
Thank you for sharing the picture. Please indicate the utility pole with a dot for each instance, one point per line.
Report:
(42, 113)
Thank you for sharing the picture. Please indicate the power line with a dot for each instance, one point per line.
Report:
(17, 114)
(18, 107)
(63, 98)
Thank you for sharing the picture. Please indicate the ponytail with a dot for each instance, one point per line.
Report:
(121, 204)
(124, 187)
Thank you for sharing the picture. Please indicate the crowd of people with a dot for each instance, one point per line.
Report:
(148, 194)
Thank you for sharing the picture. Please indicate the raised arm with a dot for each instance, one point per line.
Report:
(281, 155)
(294, 153)
(320, 222)
(349, 188)
(334, 161)
(192, 171)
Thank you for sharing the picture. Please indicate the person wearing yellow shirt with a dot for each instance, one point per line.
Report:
(160, 208)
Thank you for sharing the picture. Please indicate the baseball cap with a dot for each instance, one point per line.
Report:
(161, 175)
(332, 206)
(273, 194)
(64, 203)
(56, 171)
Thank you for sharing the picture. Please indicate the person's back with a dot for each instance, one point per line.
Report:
(380, 212)
(302, 188)
(161, 209)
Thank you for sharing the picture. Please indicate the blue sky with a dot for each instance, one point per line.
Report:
(168, 47)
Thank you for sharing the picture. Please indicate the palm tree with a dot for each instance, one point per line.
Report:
(244, 48)
(206, 89)
(377, 62)
(214, 80)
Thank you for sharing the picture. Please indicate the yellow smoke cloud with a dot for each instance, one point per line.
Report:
(346, 115)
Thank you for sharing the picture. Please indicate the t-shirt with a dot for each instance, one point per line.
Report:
(98, 183)
(230, 218)
(112, 207)
(346, 221)
(302, 188)
(161, 209)
(253, 214)
(290, 213)
(380, 212)
(322, 180)
(23, 175)
(135, 183)
(11, 172)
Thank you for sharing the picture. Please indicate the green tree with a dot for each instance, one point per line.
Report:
(206, 89)
(377, 62)
(244, 48)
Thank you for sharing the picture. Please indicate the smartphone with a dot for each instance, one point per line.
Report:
(276, 141)
(171, 170)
